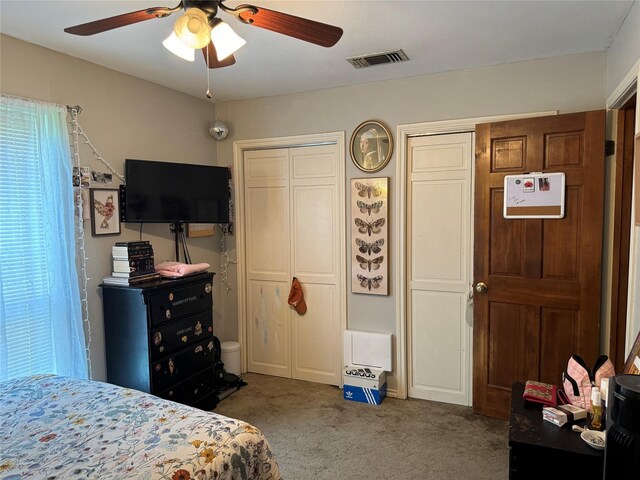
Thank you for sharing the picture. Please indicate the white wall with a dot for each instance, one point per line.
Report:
(568, 84)
(124, 117)
(624, 51)
(623, 66)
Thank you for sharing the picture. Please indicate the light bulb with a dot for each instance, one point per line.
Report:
(175, 46)
(193, 28)
(225, 39)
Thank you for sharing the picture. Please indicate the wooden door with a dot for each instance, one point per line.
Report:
(543, 276)
(439, 267)
(291, 198)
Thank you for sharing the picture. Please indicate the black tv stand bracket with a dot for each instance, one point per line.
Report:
(177, 229)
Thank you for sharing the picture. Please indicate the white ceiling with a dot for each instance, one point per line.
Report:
(437, 36)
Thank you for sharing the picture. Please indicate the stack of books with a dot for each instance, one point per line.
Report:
(132, 264)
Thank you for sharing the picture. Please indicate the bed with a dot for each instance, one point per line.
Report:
(54, 427)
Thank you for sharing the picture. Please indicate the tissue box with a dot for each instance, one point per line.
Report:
(563, 414)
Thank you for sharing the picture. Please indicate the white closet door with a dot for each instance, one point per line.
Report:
(292, 229)
(268, 249)
(439, 273)
(315, 262)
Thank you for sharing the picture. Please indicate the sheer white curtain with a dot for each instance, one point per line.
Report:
(40, 318)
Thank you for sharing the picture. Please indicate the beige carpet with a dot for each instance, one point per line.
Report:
(315, 434)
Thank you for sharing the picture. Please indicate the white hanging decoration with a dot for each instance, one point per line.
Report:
(225, 261)
(81, 256)
(96, 153)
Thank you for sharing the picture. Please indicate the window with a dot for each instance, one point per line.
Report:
(40, 319)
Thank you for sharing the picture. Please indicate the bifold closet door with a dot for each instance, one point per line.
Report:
(439, 267)
(292, 219)
(268, 261)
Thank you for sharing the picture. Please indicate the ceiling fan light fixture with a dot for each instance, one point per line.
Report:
(225, 39)
(175, 46)
(193, 28)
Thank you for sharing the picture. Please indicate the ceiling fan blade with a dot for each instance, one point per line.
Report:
(297, 27)
(213, 61)
(98, 26)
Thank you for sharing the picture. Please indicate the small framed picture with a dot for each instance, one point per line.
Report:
(200, 230)
(371, 146)
(105, 211)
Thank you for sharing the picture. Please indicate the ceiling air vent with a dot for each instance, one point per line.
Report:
(363, 61)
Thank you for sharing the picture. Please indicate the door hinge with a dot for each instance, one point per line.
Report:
(609, 147)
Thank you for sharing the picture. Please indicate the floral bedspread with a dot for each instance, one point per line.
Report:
(54, 427)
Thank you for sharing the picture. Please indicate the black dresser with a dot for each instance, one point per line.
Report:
(539, 449)
(159, 338)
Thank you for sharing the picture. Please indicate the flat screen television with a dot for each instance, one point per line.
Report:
(166, 192)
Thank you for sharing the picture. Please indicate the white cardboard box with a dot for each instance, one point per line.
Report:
(367, 349)
(364, 377)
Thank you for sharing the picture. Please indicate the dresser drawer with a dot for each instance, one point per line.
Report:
(192, 389)
(169, 337)
(178, 302)
(181, 365)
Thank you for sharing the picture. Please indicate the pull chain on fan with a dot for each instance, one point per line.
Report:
(208, 94)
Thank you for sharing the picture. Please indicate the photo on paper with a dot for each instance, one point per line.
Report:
(101, 178)
(75, 176)
(85, 177)
(543, 184)
(528, 185)
(86, 206)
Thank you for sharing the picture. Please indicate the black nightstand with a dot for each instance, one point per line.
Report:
(539, 449)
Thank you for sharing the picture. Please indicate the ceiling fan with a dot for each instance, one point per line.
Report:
(199, 28)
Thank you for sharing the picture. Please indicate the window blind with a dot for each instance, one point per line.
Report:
(29, 238)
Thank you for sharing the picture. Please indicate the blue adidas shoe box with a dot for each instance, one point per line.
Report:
(364, 385)
(373, 396)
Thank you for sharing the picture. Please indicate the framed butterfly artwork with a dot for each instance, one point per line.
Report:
(369, 236)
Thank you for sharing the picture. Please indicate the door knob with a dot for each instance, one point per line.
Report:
(481, 287)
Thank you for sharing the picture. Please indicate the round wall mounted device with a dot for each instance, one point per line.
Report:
(219, 130)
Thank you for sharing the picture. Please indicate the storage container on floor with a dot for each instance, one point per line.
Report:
(231, 357)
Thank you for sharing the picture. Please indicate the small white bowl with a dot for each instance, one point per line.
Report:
(594, 438)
